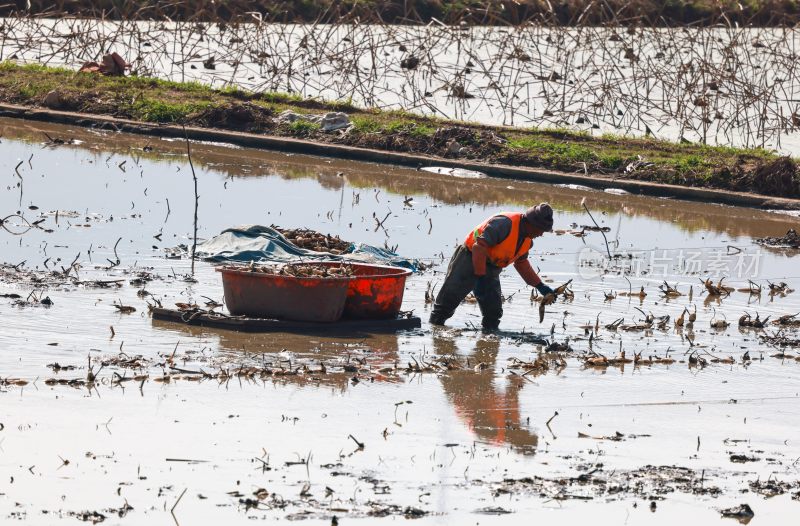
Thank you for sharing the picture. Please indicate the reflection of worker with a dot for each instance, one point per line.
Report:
(493, 416)
(496, 243)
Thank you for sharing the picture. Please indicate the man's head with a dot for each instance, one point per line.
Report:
(539, 219)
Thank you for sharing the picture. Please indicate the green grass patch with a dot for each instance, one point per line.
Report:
(151, 110)
(280, 98)
(34, 91)
(422, 131)
(611, 161)
(9, 65)
(551, 150)
(689, 164)
(303, 128)
(365, 124)
(398, 126)
(415, 129)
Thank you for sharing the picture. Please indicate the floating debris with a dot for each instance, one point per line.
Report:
(669, 291)
(716, 290)
(790, 240)
(790, 320)
(743, 513)
(748, 321)
(779, 289)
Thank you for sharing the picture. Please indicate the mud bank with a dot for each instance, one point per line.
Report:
(282, 121)
(287, 144)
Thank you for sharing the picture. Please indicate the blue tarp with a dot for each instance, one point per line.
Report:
(263, 244)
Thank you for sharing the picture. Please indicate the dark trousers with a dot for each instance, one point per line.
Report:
(460, 280)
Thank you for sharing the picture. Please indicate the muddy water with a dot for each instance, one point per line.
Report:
(438, 444)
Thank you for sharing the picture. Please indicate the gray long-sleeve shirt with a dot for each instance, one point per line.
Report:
(497, 230)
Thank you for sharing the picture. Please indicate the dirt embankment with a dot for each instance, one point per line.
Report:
(774, 176)
(470, 12)
(281, 115)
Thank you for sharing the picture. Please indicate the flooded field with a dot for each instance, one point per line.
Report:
(107, 415)
(726, 86)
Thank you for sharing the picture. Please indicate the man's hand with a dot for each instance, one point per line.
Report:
(544, 290)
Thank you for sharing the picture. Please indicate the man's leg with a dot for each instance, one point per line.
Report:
(460, 279)
(490, 299)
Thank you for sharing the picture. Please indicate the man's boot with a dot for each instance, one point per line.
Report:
(490, 325)
(436, 319)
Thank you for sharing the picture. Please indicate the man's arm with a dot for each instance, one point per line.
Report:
(480, 253)
(526, 271)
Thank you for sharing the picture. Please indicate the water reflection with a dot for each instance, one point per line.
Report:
(234, 349)
(335, 174)
(491, 413)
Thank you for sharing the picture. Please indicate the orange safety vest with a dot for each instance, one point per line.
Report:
(504, 253)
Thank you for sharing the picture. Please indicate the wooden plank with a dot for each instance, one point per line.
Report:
(244, 324)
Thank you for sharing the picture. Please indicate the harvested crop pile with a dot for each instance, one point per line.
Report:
(302, 270)
(790, 240)
(312, 240)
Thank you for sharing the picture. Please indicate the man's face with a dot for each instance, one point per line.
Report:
(535, 232)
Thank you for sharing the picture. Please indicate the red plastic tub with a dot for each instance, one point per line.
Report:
(375, 291)
(264, 295)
